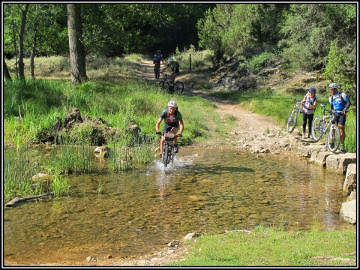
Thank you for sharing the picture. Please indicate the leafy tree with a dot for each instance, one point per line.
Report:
(309, 28)
(336, 71)
(241, 29)
(213, 27)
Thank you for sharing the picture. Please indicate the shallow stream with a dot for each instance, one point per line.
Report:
(140, 211)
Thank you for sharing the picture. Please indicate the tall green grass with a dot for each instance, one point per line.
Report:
(19, 168)
(199, 59)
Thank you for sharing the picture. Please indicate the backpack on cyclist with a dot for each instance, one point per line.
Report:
(342, 99)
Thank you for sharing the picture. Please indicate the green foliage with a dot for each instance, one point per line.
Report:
(258, 62)
(19, 168)
(336, 71)
(68, 158)
(59, 185)
(240, 29)
(308, 30)
(199, 59)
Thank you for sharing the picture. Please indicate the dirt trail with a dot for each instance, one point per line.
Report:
(246, 130)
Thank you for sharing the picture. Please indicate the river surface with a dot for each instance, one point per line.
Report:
(140, 211)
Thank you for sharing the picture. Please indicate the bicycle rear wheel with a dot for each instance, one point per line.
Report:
(291, 122)
(162, 83)
(317, 128)
(333, 139)
(179, 87)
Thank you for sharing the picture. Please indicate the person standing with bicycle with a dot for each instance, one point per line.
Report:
(174, 66)
(173, 120)
(339, 101)
(309, 106)
(158, 57)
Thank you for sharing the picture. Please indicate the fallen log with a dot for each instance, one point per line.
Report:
(18, 199)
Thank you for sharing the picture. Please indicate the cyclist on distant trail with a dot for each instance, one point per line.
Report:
(158, 57)
(310, 102)
(174, 66)
(173, 120)
(339, 101)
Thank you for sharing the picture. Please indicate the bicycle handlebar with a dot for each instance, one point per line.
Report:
(177, 135)
(295, 99)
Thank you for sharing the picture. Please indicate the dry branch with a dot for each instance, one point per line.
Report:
(18, 199)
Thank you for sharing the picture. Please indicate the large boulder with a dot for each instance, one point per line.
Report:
(350, 179)
(320, 157)
(307, 151)
(340, 162)
(348, 211)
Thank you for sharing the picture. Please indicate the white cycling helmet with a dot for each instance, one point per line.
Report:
(172, 104)
(333, 85)
(171, 59)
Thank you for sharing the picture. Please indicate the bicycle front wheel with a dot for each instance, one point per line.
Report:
(333, 139)
(170, 155)
(317, 128)
(179, 87)
(291, 122)
(165, 155)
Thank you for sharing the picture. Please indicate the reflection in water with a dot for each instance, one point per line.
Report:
(140, 211)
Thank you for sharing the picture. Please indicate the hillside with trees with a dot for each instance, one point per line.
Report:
(307, 36)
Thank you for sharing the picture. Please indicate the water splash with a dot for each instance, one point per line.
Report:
(178, 162)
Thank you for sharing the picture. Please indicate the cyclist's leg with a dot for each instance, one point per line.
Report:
(334, 121)
(311, 117)
(304, 124)
(173, 76)
(342, 120)
(175, 130)
(161, 144)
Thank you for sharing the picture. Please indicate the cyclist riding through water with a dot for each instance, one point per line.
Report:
(158, 57)
(174, 66)
(339, 101)
(173, 120)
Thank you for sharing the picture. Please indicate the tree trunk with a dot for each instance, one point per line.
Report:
(77, 51)
(6, 71)
(33, 49)
(21, 42)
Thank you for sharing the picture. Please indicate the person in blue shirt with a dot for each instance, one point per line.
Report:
(339, 102)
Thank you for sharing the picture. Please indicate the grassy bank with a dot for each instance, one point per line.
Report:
(274, 247)
(34, 106)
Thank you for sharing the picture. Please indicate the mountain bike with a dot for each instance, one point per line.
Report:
(320, 125)
(292, 119)
(168, 153)
(178, 87)
(157, 70)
